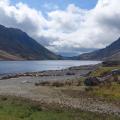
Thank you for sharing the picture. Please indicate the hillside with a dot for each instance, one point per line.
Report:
(115, 57)
(17, 45)
(7, 56)
(110, 52)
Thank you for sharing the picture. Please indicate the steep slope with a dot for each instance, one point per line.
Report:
(7, 56)
(18, 44)
(110, 52)
(114, 57)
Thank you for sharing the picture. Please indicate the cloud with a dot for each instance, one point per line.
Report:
(50, 6)
(73, 30)
(21, 16)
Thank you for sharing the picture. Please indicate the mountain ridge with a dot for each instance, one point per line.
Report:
(15, 42)
(110, 52)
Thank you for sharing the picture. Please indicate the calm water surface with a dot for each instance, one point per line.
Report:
(34, 66)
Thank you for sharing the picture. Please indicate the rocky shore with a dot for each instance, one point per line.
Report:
(72, 71)
(69, 96)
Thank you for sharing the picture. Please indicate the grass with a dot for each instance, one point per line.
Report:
(102, 71)
(12, 108)
(109, 92)
(65, 83)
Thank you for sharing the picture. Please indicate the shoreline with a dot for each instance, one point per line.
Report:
(70, 71)
(74, 97)
(20, 67)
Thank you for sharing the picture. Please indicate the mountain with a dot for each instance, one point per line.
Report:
(17, 45)
(111, 52)
(114, 57)
(7, 56)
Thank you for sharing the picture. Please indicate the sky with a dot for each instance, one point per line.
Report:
(66, 27)
(46, 5)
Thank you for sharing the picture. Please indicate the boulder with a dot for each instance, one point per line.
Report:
(92, 81)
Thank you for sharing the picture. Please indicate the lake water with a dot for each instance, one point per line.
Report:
(34, 66)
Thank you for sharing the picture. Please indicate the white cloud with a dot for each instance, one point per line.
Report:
(65, 31)
(50, 6)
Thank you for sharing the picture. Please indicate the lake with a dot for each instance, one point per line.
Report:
(34, 66)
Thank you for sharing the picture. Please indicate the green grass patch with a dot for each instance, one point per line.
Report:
(109, 92)
(102, 71)
(12, 108)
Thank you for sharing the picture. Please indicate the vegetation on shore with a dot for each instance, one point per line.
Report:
(110, 92)
(101, 71)
(110, 89)
(13, 108)
(61, 83)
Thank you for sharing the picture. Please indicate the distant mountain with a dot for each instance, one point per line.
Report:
(17, 45)
(111, 52)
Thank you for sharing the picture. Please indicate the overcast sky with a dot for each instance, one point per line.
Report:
(67, 27)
